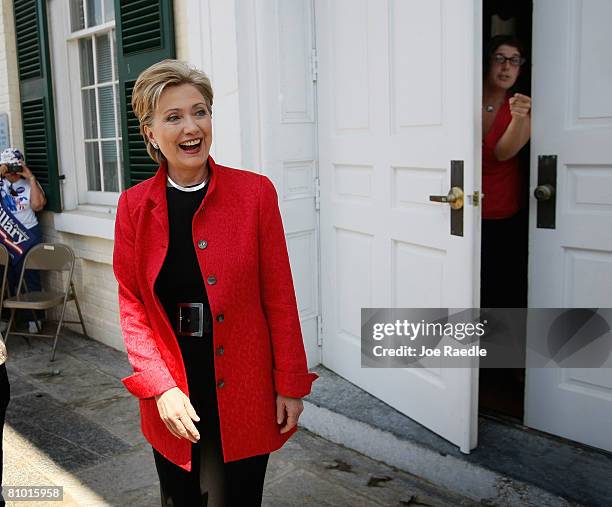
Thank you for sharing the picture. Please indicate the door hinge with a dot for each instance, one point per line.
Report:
(319, 330)
(317, 191)
(314, 64)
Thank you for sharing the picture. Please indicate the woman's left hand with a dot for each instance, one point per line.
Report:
(293, 407)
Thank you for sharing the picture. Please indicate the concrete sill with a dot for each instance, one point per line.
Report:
(91, 221)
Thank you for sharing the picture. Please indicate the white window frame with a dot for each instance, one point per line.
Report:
(85, 196)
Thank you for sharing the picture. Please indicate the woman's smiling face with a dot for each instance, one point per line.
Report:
(182, 128)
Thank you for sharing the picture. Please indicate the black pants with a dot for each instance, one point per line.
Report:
(5, 396)
(503, 274)
(211, 483)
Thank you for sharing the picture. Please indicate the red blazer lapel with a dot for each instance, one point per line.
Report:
(155, 229)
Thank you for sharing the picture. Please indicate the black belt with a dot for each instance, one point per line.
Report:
(191, 320)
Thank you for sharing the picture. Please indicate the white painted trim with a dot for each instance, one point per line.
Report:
(88, 32)
(84, 222)
(67, 120)
(199, 34)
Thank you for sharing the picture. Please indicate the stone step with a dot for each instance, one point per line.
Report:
(512, 465)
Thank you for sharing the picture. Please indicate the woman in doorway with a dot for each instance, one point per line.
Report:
(219, 365)
(506, 128)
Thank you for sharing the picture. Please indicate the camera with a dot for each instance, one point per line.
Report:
(13, 168)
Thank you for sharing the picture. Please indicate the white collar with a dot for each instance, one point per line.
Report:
(194, 188)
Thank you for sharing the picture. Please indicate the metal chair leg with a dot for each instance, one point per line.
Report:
(76, 302)
(59, 327)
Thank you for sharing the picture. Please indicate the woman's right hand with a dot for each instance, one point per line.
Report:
(3, 170)
(177, 413)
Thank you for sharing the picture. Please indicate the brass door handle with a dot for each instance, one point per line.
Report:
(544, 192)
(454, 198)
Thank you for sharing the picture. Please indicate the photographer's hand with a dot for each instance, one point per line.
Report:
(25, 171)
(3, 170)
(37, 196)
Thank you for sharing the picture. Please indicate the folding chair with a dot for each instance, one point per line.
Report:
(5, 262)
(46, 257)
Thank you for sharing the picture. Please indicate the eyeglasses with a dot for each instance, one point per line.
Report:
(515, 61)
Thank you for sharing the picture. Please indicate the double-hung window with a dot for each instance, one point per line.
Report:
(92, 25)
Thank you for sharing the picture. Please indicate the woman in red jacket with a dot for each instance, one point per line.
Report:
(207, 303)
(506, 127)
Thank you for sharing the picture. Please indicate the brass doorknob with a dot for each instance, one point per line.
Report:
(544, 192)
(454, 198)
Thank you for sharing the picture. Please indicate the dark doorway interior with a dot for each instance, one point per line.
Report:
(502, 391)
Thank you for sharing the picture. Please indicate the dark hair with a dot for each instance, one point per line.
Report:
(494, 44)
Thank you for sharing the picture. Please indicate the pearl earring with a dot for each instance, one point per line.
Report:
(155, 145)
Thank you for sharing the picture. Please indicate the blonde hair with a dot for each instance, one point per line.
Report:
(150, 85)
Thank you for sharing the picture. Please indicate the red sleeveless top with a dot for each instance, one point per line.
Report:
(502, 182)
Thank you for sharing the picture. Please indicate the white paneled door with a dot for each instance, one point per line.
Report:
(570, 265)
(278, 38)
(398, 99)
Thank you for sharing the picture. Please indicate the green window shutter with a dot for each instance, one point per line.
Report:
(40, 143)
(145, 35)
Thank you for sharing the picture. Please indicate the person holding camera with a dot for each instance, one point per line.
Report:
(21, 197)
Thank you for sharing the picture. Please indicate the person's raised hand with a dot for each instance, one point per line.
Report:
(177, 413)
(292, 407)
(3, 170)
(520, 105)
(25, 171)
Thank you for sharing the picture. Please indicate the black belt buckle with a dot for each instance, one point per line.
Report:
(190, 319)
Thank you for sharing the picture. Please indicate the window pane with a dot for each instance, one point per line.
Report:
(114, 42)
(94, 12)
(103, 58)
(77, 16)
(92, 157)
(89, 114)
(109, 166)
(86, 56)
(109, 10)
(106, 109)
